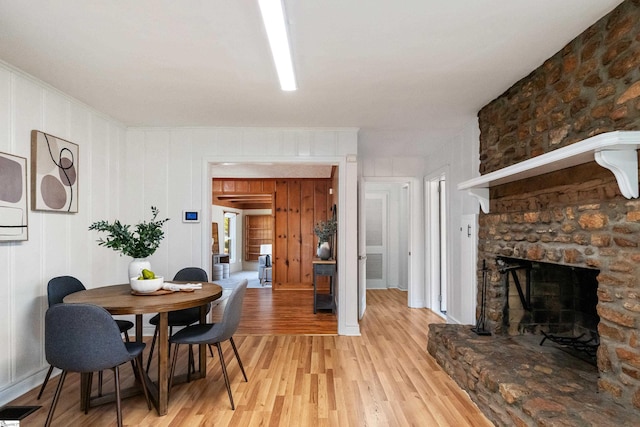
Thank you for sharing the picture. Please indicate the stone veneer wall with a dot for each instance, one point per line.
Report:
(575, 216)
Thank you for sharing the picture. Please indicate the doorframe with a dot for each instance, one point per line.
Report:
(347, 292)
(435, 267)
(415, 273)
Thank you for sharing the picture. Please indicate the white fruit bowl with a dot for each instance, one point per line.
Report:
(146, 286)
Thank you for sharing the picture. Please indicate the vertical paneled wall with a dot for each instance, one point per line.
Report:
(299, 205)
(59, 243)
(122, 172)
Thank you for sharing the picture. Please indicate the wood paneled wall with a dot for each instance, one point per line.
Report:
(299, 204)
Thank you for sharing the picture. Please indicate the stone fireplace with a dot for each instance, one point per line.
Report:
(576, 217)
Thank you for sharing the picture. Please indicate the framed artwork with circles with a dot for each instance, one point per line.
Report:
(54, 173)
(13, 198)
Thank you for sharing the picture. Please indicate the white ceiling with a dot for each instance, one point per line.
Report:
(380, 65)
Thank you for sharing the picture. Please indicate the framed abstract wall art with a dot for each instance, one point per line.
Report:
(54, 173)
(13, 198)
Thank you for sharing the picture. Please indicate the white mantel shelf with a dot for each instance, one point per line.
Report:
(615, 151)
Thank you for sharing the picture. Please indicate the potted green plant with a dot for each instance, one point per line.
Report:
(325, 230)
(139, 242)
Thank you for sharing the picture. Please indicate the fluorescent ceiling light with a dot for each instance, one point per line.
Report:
(275, 24)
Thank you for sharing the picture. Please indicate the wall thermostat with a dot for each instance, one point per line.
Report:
(190, 216)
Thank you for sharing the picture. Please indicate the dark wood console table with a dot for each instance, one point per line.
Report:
(321, 300)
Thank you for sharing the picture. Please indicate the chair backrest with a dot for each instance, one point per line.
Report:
(232, 312)
(60, 287)
(82, 338)
(192, 273)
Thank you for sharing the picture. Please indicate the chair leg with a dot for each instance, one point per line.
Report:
(88, 381)
(116, 376)
(190, 363)
(193, 359)
(100, 383)
(174, 361)
(46, 380)
(126, 336)
(153, 345)
(226, 376)
(138, 365)
(54, 402)
(235, 350)
(211, 350)
(135, 371)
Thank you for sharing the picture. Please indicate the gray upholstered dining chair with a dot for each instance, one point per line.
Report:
(214, 333)
(58, 288)
(84, 338)
(183, 317)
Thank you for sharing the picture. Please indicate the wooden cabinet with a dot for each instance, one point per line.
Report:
(258, 230)
(324, 300)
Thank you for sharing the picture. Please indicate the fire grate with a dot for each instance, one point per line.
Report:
(583, 345)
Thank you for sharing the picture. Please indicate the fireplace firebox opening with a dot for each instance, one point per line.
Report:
(557, 302)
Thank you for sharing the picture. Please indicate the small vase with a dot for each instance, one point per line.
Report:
(324, 251)
(137, 265)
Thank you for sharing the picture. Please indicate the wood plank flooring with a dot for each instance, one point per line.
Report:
(383, 378)
(267, 312)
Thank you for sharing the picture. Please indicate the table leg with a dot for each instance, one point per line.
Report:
(163, 364)
(138, 327)
(315, 292)
(203, 348)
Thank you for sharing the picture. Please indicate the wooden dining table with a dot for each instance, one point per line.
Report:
(119, 300)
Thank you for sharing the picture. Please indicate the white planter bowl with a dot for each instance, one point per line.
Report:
(146, 286)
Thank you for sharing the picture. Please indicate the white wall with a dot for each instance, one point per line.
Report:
(178, 177)
(421, 157)
(460, 157)
(122, 173)
(380, 162)
(59, 244)
(403, 237)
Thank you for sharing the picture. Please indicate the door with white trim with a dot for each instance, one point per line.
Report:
(362, 250)
(376, 240)
(436, 242)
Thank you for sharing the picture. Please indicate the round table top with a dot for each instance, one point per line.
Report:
(118, 299)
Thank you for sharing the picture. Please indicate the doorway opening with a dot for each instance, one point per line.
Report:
(386, 236)
(436, 209)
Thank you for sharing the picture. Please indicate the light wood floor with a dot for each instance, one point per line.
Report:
(383, 378)
(267, 312)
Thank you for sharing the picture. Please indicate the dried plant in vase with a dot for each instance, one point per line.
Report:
(325, 230)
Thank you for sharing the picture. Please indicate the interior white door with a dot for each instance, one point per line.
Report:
(444, 278)
(436, 242)
(376, 240)
(362, 250)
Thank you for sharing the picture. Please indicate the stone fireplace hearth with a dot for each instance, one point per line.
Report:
(577, 217)
(517, 382)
